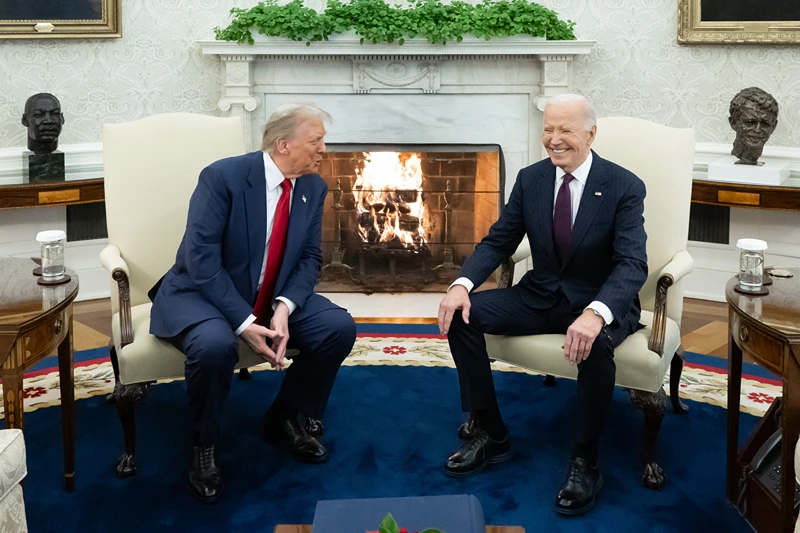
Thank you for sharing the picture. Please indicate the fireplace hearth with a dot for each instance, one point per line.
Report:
(404, 218)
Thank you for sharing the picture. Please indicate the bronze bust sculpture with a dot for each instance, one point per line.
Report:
(43, 119)
(753, 116)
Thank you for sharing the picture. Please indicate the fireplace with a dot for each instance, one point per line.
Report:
(404, 218)
(452, 98)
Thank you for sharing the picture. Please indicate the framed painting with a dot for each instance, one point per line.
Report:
(59, 19)
(739, 21)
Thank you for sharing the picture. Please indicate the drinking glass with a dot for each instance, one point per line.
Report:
(751, 263)
(52, 250)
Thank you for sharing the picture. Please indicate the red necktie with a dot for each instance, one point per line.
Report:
(277, 245)
(562, 218)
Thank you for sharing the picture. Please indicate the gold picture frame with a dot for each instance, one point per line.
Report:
(692, 29)
(60, 19)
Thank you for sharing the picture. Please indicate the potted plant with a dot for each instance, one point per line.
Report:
(375, 21)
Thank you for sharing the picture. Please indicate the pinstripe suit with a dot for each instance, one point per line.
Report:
(606, 262)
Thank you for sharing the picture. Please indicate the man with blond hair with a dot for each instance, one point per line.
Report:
(246, 268)
(583, 217)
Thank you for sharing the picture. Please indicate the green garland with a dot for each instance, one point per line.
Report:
(378, 22)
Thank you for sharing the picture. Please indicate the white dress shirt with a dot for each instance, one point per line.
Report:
(274, 179)
(576, 186)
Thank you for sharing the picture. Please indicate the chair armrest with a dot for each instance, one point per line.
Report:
(681, 264)
(507, 269)
(111, 259)
(523, 251)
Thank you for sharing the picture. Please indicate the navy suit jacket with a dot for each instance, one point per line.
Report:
(607, 257)
(217, 268)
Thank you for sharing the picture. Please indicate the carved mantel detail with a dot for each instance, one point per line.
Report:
(399, 76)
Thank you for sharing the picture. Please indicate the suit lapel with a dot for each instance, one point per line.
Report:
(298, 224)
(590, 203)
(255, 201)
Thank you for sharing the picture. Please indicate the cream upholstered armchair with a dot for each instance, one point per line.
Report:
(13, 468)
(151, 169)
(663, 158)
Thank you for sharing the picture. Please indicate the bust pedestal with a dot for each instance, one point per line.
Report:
(772, 172)
(42, 167)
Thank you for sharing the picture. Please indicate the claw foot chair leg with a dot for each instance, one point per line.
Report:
(675, 370)
(653, 404)
(126, 398)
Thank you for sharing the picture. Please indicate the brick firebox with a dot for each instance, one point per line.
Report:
(475, 177)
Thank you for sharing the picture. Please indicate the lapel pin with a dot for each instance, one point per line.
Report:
(304, 198)
(598, 193)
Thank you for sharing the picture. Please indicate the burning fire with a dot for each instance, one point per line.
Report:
(388, 195)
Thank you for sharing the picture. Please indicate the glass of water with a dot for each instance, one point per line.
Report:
(751, 263)
(52, 247)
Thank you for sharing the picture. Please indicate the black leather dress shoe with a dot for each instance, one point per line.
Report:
(579, 490)
(204, 477)
(478, 452)
(288, 429)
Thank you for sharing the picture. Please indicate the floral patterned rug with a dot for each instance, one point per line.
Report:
(699, 382)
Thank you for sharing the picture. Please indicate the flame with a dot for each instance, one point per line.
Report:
(388, 191)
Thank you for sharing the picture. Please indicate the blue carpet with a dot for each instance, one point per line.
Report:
(388, 430)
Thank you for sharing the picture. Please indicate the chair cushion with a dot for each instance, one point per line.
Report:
(148, 358)
(637, 367)
(13, 465)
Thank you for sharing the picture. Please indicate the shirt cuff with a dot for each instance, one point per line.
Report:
(249, 320)
(290, 304)
(463, 281)
(604, 311)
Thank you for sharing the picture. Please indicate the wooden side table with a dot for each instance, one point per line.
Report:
(766, 328)
(296, 528)
(35, 320)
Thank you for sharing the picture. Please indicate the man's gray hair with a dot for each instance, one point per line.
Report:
(286, 119)
(590, 116)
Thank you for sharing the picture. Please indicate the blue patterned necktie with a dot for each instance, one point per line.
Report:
(562, 218)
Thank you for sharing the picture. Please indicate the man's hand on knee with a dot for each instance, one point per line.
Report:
(457, 298)
(256, 337)
(581, 335)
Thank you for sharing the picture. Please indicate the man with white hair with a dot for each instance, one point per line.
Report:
(246, 268)
(583, 217)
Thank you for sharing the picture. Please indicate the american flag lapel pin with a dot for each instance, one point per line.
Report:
(598, 193)
(304, 198)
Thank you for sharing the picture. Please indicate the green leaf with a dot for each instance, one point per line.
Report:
(389, 525)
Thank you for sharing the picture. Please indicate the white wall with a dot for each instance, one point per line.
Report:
(637, 69)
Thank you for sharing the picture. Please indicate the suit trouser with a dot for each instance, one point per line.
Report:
(506, 312)
(212, 351)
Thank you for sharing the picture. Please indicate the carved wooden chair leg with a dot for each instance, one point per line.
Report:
(549, 381)
(127, 396)
(468, 428)
(244, 374)
(653, 404)
(675, 370)
(112, 354)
